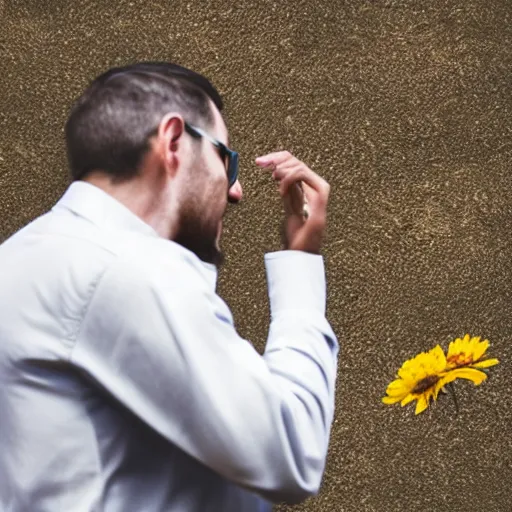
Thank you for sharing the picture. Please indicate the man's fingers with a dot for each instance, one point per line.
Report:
(273, 159)
(284, 169)
(297, 198)
(306, 175)
(304, 194)
(298, 184)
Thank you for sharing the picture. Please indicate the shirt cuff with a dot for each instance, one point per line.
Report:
(296, 281)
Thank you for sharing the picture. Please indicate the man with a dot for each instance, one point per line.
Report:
(124, 385)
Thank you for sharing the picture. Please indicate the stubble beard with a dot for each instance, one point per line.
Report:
(199, 234)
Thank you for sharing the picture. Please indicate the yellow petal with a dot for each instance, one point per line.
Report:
(400, 393)
(429, 394)
(449, 377)
(439, 387)
(455, 344)
(390, 400)
(397, 389)
(440, 359)
(412, 374)
(408, 363)
(403, 373)
(486, 363)
(396, 384)
(421, 405)
(480, 350)
(398, 396)
(409, 398)
(453, 349)
(475, 376)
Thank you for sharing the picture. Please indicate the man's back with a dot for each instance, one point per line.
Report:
(48, 270)
(66, 444)
(102, 398)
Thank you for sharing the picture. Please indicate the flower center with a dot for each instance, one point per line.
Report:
(460, 360)
(425, 384)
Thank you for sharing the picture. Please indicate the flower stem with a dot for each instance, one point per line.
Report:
(452, 391)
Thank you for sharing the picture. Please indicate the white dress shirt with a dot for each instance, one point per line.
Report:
(124, 385)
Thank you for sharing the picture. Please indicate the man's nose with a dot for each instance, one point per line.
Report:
(235, 192)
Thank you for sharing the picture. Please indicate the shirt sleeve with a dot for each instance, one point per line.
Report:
(164, 345)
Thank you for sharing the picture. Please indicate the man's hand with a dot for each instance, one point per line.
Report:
(299, 185)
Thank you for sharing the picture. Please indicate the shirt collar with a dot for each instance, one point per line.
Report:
(101, 208)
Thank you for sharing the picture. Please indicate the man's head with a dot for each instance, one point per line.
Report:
(151, 129)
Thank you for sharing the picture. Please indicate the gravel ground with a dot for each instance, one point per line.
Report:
(405, 108)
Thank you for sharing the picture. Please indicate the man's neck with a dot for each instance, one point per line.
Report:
(148, 203)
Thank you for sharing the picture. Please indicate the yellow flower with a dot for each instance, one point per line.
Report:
(422, 377)
(468, 352)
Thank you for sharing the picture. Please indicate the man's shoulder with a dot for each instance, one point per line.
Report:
(59, 245)
(159, 263)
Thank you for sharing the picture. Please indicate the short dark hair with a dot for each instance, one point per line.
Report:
(110, 125)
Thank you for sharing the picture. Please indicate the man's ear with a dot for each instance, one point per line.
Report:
(170, 132)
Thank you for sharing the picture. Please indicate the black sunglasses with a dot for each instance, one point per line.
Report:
(229, 157)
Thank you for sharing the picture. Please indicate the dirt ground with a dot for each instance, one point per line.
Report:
(405, 108)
